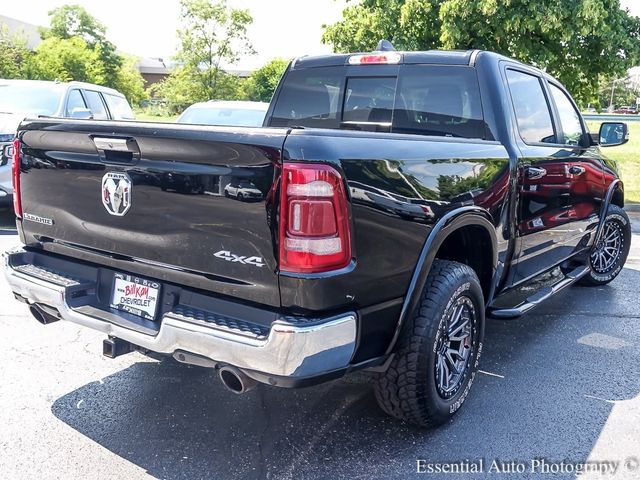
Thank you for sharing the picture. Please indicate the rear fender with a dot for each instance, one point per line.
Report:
(452, 221)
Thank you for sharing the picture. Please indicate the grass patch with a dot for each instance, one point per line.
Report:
(153, 116)
(628, 158)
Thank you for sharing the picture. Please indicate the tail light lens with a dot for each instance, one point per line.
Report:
(17, 198)
(314, 223)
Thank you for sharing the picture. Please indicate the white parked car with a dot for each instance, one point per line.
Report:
(32, 98)
(242, 190)
(231, 113)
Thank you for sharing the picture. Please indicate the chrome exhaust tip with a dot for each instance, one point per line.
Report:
(235, 380)
(41, 316)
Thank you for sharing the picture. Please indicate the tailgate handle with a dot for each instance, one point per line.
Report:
(117, 150)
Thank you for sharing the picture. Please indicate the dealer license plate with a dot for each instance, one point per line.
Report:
(135, 295)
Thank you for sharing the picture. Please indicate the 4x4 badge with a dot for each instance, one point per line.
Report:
(232, 257)
(116, 193)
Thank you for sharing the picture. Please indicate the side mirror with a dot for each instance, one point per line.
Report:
(613, 134)
(81, 113)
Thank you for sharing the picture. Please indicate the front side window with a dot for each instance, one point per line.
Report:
(569, 117)
(75, 101)
(96, 105)
(532, 110)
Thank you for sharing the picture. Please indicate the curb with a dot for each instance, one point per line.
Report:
(632, 207)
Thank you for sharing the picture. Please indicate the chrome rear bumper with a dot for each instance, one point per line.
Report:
(290, 347)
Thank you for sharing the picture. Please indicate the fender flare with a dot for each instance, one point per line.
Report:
(452, 221)
(605, 205)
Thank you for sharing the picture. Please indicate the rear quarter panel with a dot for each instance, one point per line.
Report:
(400, 186)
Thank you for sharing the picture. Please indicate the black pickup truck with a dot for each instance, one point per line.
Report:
(395, 199)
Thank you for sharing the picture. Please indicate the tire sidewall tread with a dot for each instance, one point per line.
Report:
(408, 389)
(594, 278)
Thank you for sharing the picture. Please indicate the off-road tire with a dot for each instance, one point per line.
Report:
(408, 389)
(620, 226)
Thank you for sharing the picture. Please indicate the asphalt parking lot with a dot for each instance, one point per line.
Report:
(560, 384)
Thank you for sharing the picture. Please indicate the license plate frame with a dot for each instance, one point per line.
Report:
(135, 295)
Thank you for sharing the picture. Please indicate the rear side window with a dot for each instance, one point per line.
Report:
(96, 105)
(569, 117)
(119, 107)
(530, 104)
(422, 100)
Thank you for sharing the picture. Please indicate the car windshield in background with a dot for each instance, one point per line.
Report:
(29, 98)
(237, 117)
(422, 100)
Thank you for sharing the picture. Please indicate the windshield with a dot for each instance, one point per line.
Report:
(30, 98)
(223, 116)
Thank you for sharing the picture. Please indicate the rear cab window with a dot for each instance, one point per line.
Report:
(413, 99)
(96, 105)
(119, 107)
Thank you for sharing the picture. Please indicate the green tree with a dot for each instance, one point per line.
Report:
(65, 59)
(211, 34)
(578, 41)
(263, 82)
(14, 54)
(183, 88)
(129, 81)
(72, 21)
(75, 47)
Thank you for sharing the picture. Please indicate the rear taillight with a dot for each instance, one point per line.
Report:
(17, 199)
(314, 226)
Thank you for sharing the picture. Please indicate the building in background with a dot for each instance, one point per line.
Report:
(30, 32)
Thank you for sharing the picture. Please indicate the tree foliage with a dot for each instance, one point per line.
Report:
(183, 88)
(211, 34)
(263, 82)
(73, 21)
(73, 48)
(578, 41)
(65, 59)
(14, 54)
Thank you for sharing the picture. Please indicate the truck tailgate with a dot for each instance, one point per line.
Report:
(195, 199)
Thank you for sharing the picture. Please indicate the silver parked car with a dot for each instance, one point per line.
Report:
(33, 98)
(227, 113)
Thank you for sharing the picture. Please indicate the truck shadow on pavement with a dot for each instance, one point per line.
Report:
(551, 377)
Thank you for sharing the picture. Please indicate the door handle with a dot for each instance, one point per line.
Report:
(115, 144)
(576, 170)
(534, 173)
(117, 150)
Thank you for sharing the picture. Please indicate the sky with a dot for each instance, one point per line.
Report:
(147, 28)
